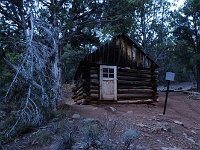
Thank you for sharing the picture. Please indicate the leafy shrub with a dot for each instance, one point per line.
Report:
(91, 130)
(128, 137)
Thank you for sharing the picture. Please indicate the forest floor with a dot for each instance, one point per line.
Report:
(178, 129)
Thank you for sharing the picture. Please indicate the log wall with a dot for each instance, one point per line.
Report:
(94, 83)
(136, 85)
(82, 88)
(133, 85)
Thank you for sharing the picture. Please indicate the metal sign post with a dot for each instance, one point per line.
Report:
(169, 77)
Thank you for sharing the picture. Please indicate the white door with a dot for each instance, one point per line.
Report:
(108, 82)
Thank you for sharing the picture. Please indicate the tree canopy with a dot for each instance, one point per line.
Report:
(42, 42)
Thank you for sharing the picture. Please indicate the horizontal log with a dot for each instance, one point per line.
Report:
(133, 78)
(84, 95)
(137, 83)
(94, 101)
(94, 87)
(94, 76)
(79, 102)
(133, 87)
(132, 96)
(94, 67)
(79, 97)
(135, 91)
(104, 101)
(141, 71)
(94, 82)
(134, 74)
(147, 101)
(92, 91)
(94, 96)
(93, 71)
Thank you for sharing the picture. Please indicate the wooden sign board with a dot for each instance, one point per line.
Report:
(170, 76)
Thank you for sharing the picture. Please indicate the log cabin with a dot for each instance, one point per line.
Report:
(117, 72)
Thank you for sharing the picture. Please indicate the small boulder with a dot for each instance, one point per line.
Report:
(178, 122)
(76, 116)
(113, 109)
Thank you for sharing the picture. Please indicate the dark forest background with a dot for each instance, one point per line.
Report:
(42, 42)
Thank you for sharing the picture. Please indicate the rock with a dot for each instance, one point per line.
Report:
(76, 116)
(166, 128)
(113, 109)
(170, 148)
(193, 131)
(157, 129)
(140, 125)
(162, 127)
(178, 122)
(129, 112)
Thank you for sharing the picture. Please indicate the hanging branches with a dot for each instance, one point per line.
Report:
(38, 75)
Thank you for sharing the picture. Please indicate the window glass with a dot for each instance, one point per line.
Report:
(111, 70)
(105, 70)
(111, 75)
(108, 72)
(105, 75)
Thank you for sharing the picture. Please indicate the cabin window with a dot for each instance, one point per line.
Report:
(108, 72)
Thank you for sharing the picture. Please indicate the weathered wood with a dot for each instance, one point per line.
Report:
(136, 83)
(84, 95)
(132, 96)
(94, 82)
(94, 71)
(138, 71)
(79, 102)
(147, 101)
(79, 97)
(92, 91)
(133, 87)
(93, 67)
(133, 78)
(79, 89)
(135, 91)
(94, 87)
(94, 76)
(94, 96)
(80, 93)
(134, 74)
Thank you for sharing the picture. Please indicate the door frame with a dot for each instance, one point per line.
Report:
(104, 78)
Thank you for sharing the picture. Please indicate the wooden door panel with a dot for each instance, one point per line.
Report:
(108, 83)
(108, 89)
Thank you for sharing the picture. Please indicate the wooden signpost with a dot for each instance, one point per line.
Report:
(169, 77)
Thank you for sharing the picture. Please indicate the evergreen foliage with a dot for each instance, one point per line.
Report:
(39, 38)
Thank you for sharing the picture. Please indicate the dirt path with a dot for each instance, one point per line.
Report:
(177, 130)
(179, 107)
